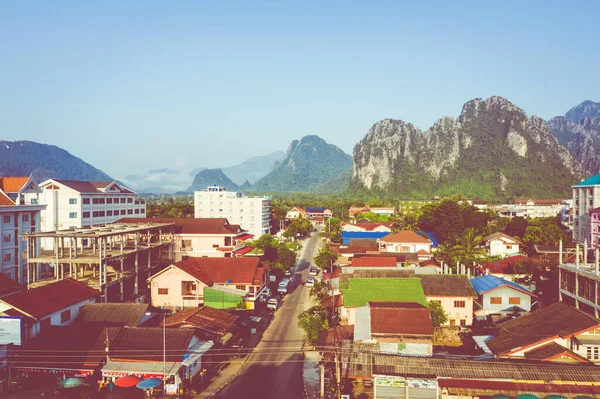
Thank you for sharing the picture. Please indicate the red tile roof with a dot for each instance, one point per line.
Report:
(4, 200)
(206, 318)
(423, 252)
(374, 261)
(244, 251)
(219, 270)
(407, 318)
(12, 184)
(146, 343)
(406, 236)
(505, 266)
(47, 299)
(9, 286)
(209, 226)
(88, 187)
(551, 351)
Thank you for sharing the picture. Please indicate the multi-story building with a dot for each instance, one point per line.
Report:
(595, 228)
(586, 196)
(74, 203)
(16, 218)
(579, 279)
(251, 213)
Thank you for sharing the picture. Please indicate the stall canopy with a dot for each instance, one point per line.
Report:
(114, 368)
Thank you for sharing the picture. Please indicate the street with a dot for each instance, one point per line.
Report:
(274, 369)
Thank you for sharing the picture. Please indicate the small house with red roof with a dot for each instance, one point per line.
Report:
(406, 241)
(182, 285)
(399, 328)
(296, 213)
(500, 244)
(56, 304)
(22, 190)
(381, 227)
(497, 296)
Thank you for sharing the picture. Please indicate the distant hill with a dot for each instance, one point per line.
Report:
(22, 158)
(308, 163)
(336, 185)
(157, 181)
(251, 169)
(211, 177)
(587, 109)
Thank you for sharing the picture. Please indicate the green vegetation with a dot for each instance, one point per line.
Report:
(324, 259)
(358, 291)
(171, 208)
(277, 253)
(298, 226)
(313, 321)
(438, 315)
(210, 177)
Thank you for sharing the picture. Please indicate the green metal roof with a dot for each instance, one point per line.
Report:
(363, 290)
(592, 181)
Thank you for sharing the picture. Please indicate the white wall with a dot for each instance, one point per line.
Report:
(171, 279)
(500, 248)
(28, 221)
(404, 247)
(455, 313)
(504, 308)
(55, 319)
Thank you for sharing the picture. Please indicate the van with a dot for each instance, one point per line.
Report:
(283, 285)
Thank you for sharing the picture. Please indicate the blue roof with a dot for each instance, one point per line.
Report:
(431, 235)
(315, 209)
(592, 181)
(490, 282)
(348, 235)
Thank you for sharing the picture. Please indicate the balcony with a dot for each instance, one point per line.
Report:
(187, 248)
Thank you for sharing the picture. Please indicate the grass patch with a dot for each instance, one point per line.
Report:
(359, 291)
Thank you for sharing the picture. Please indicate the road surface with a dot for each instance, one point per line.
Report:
(274, 369)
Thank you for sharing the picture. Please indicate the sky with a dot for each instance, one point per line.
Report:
(140, 85)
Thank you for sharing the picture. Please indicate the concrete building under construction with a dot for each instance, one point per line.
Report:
(579, 282)
(115, 259)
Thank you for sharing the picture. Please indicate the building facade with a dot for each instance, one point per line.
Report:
(595, 228)
(17, 218)
(586, 196)
(500, 244)
(251, 213)
(73, 203)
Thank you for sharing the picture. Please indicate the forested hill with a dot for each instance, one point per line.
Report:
(308, 163)
(22, 158)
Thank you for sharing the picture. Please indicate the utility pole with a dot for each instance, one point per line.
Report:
(322, 367)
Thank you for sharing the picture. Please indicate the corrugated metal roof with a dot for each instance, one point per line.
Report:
(348, 235)
(483, 284)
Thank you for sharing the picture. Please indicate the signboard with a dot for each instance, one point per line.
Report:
(10, 330)
(390, 382)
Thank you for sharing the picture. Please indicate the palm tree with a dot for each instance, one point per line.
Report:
(468, 247)
(319, 291)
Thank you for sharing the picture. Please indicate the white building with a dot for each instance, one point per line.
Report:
(19, 213)
(586, 196)
(406, 241)
(500, 244)
(74, 203)
(251, 213)
(497, 296)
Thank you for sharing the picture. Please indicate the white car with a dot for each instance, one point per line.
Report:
(313, 271)
(272, 304)
(310, 282)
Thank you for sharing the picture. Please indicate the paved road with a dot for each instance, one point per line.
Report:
(274, 369)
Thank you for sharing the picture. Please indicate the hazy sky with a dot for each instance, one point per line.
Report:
(133, 86)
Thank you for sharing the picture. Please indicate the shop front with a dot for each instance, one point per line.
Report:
(175, 373)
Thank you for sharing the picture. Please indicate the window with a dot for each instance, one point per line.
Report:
(163, 291)
(108, 213)
(95, 201)
(109, 200)
(129, 200)
(72, 215)
(72, 201)
(459, 304)
(85, 214)
(101, 213)
(188, 288)
(496, 300)
(6, 219)
(122, 211)
(26, 218)
(101, 200)
(86, 201)
(34, 201)
(137, 211)
(187, 244)
(6, 237)
(122, 200)
(463, 322)
(65, 316)
(142, 211)
(95, 214)
(241, 287)
(514, 301)
(130, 211)
(7, 257)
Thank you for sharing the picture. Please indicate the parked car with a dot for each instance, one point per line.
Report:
(313, 271)
(272, 304)
(310, 282)
(288, 273)
(283, 286)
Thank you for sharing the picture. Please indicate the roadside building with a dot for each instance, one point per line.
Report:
(406, 241)
(586, 196)
(296, 213)
(500, 244)
(497, 296)
(210, 324)
(558, 333)
(349, 236)
(251, 213)
(211, 237)
(454, 292)
(186, 283)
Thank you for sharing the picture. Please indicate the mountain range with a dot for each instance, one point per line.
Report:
(212, 177)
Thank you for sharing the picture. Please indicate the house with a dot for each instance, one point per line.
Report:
(185, 284)
(454, 292)
(296, 213)
(210, 324)
(195, 238)
(76, 203)
(540, 208)
(137, 351)
(558, 333)
(506, 268)
(356, 292)
(19, 213)
(499, 296)
(367, 226)
(595, 228)
(56, 304)
(406, 241)
(400, 328)
(500, 244)
(114, 314)
(355, 210)
(349, 236)
(253, 214)
(586, 196)
(375, 262)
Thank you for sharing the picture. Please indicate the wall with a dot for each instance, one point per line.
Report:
(55, 317)
(595, 229)
(202, 245)
(504, 293)
(499, 247)
(584, 200)
(412, 247)
(453, 313)
(171, 278)
(17, 246)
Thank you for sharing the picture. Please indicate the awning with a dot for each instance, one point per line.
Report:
(114, 368)
(243, 251)
(588, 339)
(224, 249)
(244, 237)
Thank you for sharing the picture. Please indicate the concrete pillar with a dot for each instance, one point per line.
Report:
(585, 251)
(135, 283)
(560, 252)
(121, 279)
(105, 273)
(577, 256)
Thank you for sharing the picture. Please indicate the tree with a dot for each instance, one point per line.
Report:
(320, 291)
(469, 247)
(264, 241)
(325, 258)
(516, 227)
(438, 315)
(313, 321)
(286, 256)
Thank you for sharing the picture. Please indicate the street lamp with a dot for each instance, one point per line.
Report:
(164, 323)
